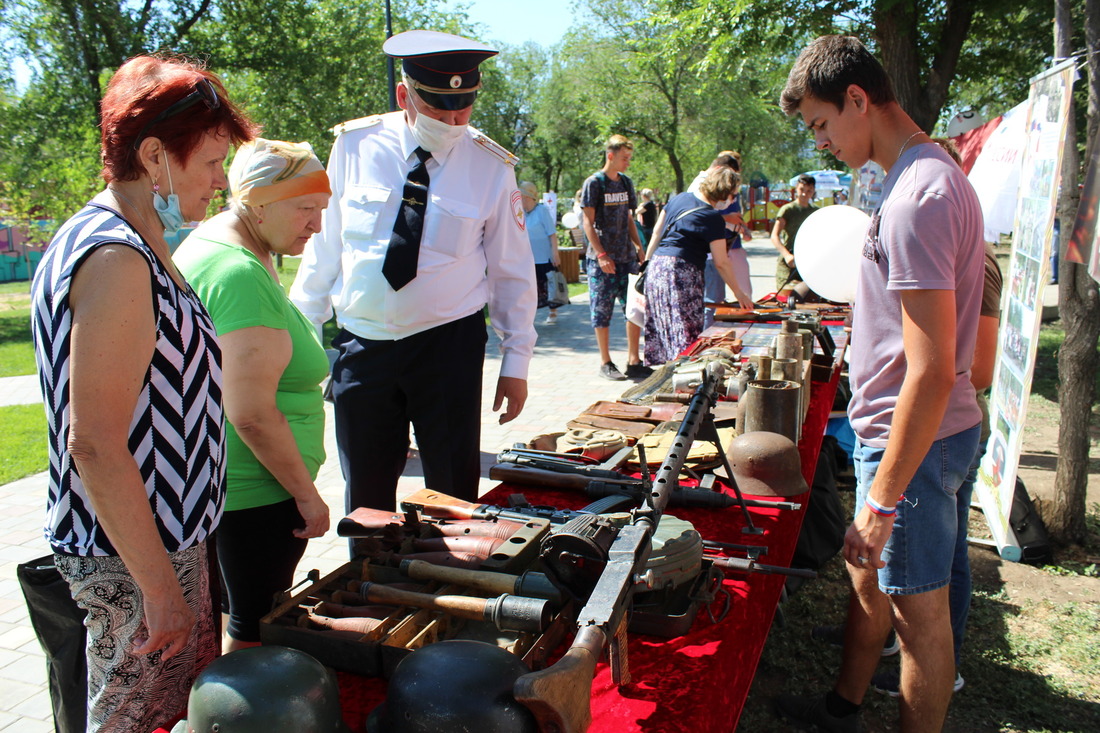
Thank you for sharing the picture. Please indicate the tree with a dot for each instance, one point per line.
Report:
(630, 68)
(927, 46)
(49, 158)
(76, 41)
(49, 142)
(563, 149)
(510, 90)
(1079, 304)
(300, 67)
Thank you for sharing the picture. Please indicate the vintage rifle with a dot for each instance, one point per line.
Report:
(596, 488)
(443, 506)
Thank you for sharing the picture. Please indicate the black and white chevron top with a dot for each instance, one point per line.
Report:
(177, 434)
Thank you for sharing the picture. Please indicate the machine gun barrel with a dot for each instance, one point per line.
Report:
(667, 478)
(560, 695)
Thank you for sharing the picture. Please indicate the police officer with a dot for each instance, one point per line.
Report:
(426, 226)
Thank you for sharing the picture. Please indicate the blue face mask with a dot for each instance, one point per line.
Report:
(168, 210)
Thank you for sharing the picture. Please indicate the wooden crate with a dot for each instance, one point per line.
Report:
(377, 653)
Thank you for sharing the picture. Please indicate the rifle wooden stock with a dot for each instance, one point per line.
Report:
(560, 696)
(364, 521)
(443, 506)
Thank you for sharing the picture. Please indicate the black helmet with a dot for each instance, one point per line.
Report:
(454, 685)
(263, 689)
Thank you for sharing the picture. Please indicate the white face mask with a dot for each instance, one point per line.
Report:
(723, 204)
(433, 135)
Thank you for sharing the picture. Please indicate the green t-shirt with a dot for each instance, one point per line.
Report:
(239, 292)
(793, 216)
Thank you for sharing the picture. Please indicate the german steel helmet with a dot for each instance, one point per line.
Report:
(766, 464)
(264, 689)
(454, 685)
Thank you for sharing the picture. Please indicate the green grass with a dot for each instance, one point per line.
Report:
(16, 287)
(16, 351)
(1044, 382)
(1045, 379)
(25, 437)
(1029, 665)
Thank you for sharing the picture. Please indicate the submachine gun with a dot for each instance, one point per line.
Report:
(594, 559)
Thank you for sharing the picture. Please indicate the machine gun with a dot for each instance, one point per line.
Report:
(560, 695)
(597, 488)
(442, 506)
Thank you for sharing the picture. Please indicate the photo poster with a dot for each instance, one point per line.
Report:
(1083, 246)
(1022, 299)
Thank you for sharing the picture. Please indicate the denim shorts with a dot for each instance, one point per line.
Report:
(920, 550)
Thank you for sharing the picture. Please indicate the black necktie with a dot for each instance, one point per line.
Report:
(399, 267)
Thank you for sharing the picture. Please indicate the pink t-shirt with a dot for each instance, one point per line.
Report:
(926, 235)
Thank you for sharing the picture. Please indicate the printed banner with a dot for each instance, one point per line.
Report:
(1047, 110)
(1083, 246)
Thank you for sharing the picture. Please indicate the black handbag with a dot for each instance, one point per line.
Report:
(59, 624)
(639, 284)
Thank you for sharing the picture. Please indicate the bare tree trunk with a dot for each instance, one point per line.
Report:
(1080, 309)
(921, 92)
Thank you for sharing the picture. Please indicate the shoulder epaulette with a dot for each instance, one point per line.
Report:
(359, 124)
(496, 149)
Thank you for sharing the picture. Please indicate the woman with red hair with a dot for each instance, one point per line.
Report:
(131, 378)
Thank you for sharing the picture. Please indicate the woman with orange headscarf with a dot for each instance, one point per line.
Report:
(273, 364)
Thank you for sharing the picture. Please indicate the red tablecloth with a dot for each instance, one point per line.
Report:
(697, 682)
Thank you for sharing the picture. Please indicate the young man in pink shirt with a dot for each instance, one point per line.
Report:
(913, 407)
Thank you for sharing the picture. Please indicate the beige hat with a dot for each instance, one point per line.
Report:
(265, 171)
(529, 190)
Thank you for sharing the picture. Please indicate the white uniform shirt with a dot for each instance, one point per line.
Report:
(473, 251)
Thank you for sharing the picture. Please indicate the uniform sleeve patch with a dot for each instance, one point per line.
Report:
(517, 211)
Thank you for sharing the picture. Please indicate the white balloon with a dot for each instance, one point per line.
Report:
(830, 243)
(570, 220)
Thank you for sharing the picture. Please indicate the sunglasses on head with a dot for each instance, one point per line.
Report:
(204, 92)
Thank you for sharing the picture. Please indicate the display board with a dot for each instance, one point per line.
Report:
(1021, 308)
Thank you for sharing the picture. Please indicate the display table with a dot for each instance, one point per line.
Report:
(697, 682)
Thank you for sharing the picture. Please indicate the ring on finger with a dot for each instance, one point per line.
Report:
(862, 559)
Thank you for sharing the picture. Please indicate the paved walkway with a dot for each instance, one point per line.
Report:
(563, 381)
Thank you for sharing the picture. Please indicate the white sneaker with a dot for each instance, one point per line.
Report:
(551, 319)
